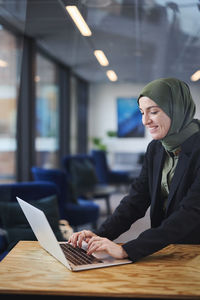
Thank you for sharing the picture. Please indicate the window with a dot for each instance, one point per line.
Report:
(10, 52)
(47, 113)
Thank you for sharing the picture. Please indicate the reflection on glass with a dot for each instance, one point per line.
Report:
(46, 142)
(9, 58)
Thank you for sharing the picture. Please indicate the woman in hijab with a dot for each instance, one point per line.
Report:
(169, 181)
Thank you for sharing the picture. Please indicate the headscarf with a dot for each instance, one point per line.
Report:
(174, 98)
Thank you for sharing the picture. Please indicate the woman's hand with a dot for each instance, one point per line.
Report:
(97, 244)
(77, 238)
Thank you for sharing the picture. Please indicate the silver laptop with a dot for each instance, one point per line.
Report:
(75, 259)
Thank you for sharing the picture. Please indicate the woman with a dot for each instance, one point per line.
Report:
(169, 181)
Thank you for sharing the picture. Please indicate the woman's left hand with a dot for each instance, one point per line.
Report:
(97, 244)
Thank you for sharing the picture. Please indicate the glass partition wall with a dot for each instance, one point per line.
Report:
(10, 51)
(47, 113)
(35, 101)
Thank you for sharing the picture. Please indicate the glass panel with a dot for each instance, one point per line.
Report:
(73, 116)
(9, 68)
(47, 122)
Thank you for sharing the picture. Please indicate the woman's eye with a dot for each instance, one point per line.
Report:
(154, 112)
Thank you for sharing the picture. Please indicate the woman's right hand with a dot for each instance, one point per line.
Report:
(77, 238)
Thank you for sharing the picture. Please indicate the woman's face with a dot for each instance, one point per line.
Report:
(154, 118)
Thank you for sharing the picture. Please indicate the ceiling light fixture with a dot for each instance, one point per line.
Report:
(195, 76)
(112, 75)
(78, 20)
(102, 59)
(3, 63)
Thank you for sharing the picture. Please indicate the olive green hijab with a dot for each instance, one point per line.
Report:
(174, 98)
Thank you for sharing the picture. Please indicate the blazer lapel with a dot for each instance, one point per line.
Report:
(179, 172)
(158, 163)
(156, 204)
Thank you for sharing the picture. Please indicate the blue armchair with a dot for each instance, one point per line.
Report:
(105, 174)
(81, 170)
(75, 210)
(13, 224)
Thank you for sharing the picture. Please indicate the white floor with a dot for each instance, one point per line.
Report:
(135, 229)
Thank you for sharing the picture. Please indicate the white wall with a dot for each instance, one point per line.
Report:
(103, 114)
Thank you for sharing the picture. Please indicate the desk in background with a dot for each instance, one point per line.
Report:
(172, 273)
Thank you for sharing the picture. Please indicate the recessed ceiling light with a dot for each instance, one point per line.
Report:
(3, 63)
(78, 20)
(112, 75)
(102, 59)
(195, 76)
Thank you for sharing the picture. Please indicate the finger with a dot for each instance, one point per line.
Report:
(92, 248)
(93, 239)
(81, 238)
(96, 249)
(96, 246)
(87, 239)
(73, 239)
(77, 238)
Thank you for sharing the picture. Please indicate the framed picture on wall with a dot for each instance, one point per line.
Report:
(129, 118)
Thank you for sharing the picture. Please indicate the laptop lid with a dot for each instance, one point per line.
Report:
(43, 231)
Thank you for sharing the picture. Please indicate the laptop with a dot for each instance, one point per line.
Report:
(75, 259)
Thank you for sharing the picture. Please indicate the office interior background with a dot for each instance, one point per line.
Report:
(55, 96)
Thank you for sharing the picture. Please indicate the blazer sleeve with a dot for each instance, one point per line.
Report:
(131, 208)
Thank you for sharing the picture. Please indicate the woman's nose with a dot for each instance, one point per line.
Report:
(145, 119)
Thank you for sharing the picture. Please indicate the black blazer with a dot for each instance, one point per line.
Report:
(180, 223)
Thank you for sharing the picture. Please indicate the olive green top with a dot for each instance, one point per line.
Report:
(168, 173)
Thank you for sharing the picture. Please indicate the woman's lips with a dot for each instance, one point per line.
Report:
(153, 129)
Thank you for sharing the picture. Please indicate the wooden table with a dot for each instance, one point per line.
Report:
(172, 273)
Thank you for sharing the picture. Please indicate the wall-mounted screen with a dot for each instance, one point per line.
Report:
(129, 118)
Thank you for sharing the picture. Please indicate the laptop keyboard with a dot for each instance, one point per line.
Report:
(78, 256)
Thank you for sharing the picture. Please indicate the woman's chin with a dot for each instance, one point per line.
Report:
(157, 136)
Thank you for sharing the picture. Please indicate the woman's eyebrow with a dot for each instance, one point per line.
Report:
(149, 107)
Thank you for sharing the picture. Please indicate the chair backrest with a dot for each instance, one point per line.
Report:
(81, 170)
(59, 178)
(28, 191)
(101, 164)
(43, 195)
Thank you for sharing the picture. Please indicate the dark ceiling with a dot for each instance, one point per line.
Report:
(142, 39)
